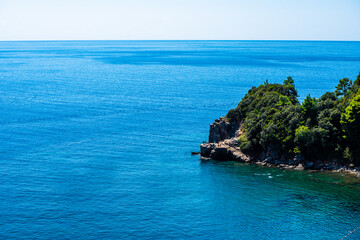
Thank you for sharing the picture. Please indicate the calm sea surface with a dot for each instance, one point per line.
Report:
(95, 142)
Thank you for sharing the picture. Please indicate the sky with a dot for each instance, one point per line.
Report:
(180, 20)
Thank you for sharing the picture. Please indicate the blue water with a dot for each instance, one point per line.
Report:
(95, 142)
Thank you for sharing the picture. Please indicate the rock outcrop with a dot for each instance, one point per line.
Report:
(221, 130)
(223, 143)
(223, 152)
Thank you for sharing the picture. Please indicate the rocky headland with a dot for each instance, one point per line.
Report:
(263, 130)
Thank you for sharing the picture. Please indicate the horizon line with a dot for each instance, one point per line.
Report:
(277, 40)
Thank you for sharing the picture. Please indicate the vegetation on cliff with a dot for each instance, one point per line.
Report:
(327, 128)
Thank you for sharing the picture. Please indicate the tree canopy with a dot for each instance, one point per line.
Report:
(326, 128)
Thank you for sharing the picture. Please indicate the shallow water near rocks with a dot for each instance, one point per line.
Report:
(95, 142)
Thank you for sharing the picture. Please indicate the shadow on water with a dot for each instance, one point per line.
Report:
(287, 190)
(279, 201)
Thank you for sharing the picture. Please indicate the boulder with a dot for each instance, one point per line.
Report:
(299, 167)
(237, 155)
(205, 149)
(219, 153)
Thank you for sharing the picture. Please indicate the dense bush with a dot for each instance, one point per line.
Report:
(325, 129)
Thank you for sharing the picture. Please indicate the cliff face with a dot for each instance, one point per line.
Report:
(223, 142)
(221, 130)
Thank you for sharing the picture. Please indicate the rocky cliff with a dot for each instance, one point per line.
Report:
(223, 143)
(221, 130)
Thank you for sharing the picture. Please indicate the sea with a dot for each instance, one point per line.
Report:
(96, 140)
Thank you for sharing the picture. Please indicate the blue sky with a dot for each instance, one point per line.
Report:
(180, 19)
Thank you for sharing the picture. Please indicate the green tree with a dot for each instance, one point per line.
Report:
(343, 86)
(283, 100)
(304, 138)
(350, 122)
(309, 108)
(357, 81)
(326, 128)
(289, 83)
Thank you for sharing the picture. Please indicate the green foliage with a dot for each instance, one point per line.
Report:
(350, 119)
(309, 109)
(243, 142)
(348, 155)
(258, 98)
(357, 81)
(271, 113)
(289, 82)
(305, 138)
(326, 128)
(343, 86)
(283, 100)
(350, 122)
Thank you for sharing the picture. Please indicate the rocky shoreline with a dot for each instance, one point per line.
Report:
(223, 145)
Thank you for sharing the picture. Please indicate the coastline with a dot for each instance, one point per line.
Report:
(225, 147)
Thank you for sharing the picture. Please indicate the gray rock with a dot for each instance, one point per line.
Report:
(221, 129)
(237, 155)
(219, 153)
(205, 149)
(299, 167)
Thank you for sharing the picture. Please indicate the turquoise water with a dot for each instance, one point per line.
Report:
(95, 142)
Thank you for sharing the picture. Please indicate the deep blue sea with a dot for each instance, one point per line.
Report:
(95, 142)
